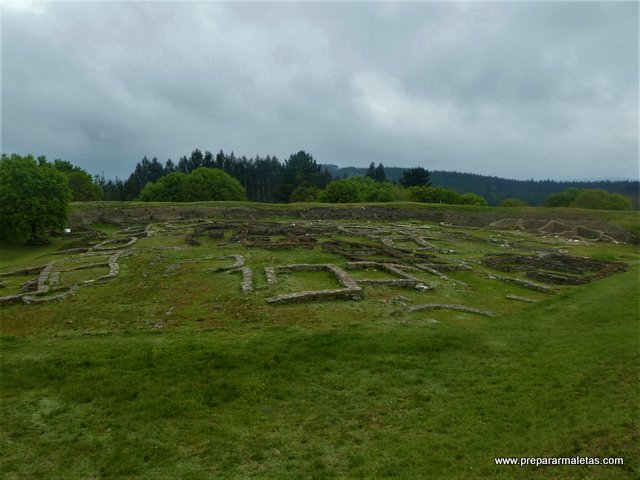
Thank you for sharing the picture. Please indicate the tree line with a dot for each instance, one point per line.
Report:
(496, 189)
(34, 192)
(269, 180)
(265, 179)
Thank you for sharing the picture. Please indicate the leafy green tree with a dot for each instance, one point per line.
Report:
(305, 194)
(167, 189)
(473, 199)
(420, 193)
(448, 196)
(381, 192)
(596, 198)
(359, 189)
(211, 184)
(513, 202)
(82, 187)
(562, 199)
(33, 197)
(343, 191)
(417, 176)
(202, 184)
(434, 195)
(81, 184)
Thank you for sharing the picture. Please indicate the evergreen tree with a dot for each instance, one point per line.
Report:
(169, 167)
(183, 165)
(379, 175)
(371, 172)
(208, 160)
(415, 177)
(195, 160)
(300, 170)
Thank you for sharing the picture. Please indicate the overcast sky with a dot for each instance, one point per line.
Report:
(519, 90)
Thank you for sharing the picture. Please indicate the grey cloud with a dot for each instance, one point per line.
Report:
(545, 89)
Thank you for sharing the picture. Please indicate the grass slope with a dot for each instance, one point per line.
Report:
(353, 400)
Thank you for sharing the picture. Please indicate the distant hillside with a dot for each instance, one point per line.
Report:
(494, 189)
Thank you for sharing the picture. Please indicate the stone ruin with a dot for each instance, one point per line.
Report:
(349, 291)
(554, 268)
(397, 249)
(404, 279)
(35, 290)
(442, 306)
(553, 228)
(39, 289)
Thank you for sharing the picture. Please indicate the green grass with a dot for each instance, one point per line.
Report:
(360, 401)
(169, 372)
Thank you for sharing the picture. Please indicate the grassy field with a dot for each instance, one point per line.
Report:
(167, 371)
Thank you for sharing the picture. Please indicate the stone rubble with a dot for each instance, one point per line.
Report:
(520, 299)
(523, 283)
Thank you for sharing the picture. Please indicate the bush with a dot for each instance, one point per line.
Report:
(381, 192)
(422, 194)
(597, 198)
(305, 194)
(561, 199)
(202, 184)
(342, 191)
(167, 189)
(359, 189)
(593, 198)
(513, 202)
(473, 199)
(435, 195)
(211, 184)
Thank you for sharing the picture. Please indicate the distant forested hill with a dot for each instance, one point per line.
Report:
(494, 189)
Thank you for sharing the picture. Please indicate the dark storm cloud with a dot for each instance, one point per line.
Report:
(511, 89)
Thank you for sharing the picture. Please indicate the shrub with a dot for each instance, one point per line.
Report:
(513, 202)
(200, 185)
(167, 189)
(359, 189)
(305, 193)
(422, 194)
(434, 195)
(593, 198)
(342, 191)
(561, 199)
(597, 198)
(473, 199)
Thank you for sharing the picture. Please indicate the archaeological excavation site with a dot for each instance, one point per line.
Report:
(407, 264)
(292, 341)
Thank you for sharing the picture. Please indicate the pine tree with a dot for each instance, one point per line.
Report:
(379, 175)
(413, 177)
(371, 173)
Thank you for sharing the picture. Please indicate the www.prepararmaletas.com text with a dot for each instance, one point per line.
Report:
(540, 461)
